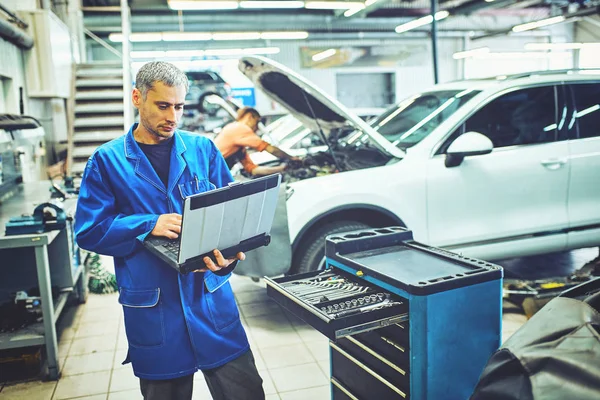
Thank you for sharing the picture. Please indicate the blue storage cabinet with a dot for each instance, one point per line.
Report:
(434, 338)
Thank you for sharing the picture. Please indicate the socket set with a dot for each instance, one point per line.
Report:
(346, 303)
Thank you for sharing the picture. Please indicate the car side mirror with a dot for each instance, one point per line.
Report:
(466, 145)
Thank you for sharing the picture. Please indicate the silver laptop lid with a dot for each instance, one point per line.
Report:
(224, 217)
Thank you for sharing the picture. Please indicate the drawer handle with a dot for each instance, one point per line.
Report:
(377, 356)
(298, 302)
(367, 369)
(343, 389)
(391, 343)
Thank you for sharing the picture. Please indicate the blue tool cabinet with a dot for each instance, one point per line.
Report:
(432, 320)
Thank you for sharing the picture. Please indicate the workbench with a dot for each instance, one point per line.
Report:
(43, 260)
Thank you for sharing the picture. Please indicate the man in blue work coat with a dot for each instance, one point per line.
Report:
(133, 187)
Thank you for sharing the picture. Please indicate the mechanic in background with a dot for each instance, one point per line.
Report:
(239, 135)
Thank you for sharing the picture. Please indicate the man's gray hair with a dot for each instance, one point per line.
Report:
(159, 71)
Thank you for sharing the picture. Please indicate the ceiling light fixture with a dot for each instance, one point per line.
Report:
(332, 5)
(236, 36)
(148, 54)
(324, 54)
(202, 5)
(560, 46)
(137, 37)
(272, 4)
(185, 36)
(426, 20)
(521, 55)
(351, 11)
(183, 53)
(538, 24)
(284, 35)
(470, 53)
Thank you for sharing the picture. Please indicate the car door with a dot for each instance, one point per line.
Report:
(516, 192)
(584, 148)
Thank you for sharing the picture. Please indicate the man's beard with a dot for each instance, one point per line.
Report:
(154, 131)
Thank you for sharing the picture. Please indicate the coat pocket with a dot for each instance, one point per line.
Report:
(194, 186)
(220, 301)
(144, 321)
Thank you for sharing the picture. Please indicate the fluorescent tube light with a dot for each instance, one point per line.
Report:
(332, 5)
(185, 36)
(351, 11)
(470, 53)
(284, 35)
(370, 2)
(202, 5)
(262, 50)
(426, 20)
(271, 4)
(236, 36)
(520, 55)
(136, 37)
(184, 53)
(147, 54)
(588, 110)
(560, 46)
(538, 24)
(324, 54)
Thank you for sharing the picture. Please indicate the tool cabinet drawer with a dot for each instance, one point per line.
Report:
(384, 342)
(361, 380)
(339, 392)
(336, 303)
(380, 363)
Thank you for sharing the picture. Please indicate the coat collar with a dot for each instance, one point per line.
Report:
(144, 169)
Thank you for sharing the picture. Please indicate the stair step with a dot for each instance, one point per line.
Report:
(101, 83)
(98, 108)
(116, 120)
(97, 136)
(100, 72)
(99, 95)
(83, 151)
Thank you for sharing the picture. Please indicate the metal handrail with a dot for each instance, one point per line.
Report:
(103, 43)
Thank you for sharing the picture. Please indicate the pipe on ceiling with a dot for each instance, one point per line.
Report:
(15, 35)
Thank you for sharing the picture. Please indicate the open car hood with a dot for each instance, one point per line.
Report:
(305, 101)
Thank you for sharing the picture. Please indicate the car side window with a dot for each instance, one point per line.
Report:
(526, 116)
(587, 114)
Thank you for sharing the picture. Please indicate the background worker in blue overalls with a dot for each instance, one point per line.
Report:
(133, 187)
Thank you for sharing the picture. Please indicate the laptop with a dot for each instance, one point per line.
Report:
(234, 218)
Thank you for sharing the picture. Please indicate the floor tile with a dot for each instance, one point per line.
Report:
(102, 300)
(123, 379)
(201, 391)
(309, 334)
(298, 377)
(256, 309)
(28, 391)
(83, 364)
(98, 328)
(272, 397)
(258, 359)
(63, 347)
(319, 349)
(95, 397)
(286, 356)
(268, 339)
(325, 367)
(92, 344)
(82, 385)
(241, 284)
(133, 394)
(273, 321)
(268, 385)
(317, 393)
(255, 296)
(120, 356)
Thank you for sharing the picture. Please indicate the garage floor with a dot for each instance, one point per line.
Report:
(291, 357)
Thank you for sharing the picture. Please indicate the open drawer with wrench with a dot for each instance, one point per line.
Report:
(336, 303)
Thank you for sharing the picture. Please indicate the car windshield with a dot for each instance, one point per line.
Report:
(411, 120)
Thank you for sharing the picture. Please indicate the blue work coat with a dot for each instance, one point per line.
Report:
(175, 324)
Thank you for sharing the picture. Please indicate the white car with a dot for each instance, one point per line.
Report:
(487, 168)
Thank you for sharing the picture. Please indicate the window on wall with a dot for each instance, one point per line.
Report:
(526, 116)
(587, 103)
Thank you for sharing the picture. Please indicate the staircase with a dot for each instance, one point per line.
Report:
(98, 106)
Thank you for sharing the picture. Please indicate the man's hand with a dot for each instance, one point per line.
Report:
(222, 262)
(168, 225)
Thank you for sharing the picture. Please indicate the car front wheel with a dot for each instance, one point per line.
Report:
(310, 254)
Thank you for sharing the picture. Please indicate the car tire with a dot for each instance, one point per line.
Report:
(310, 253)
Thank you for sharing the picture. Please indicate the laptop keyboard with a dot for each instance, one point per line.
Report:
(172, 246)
